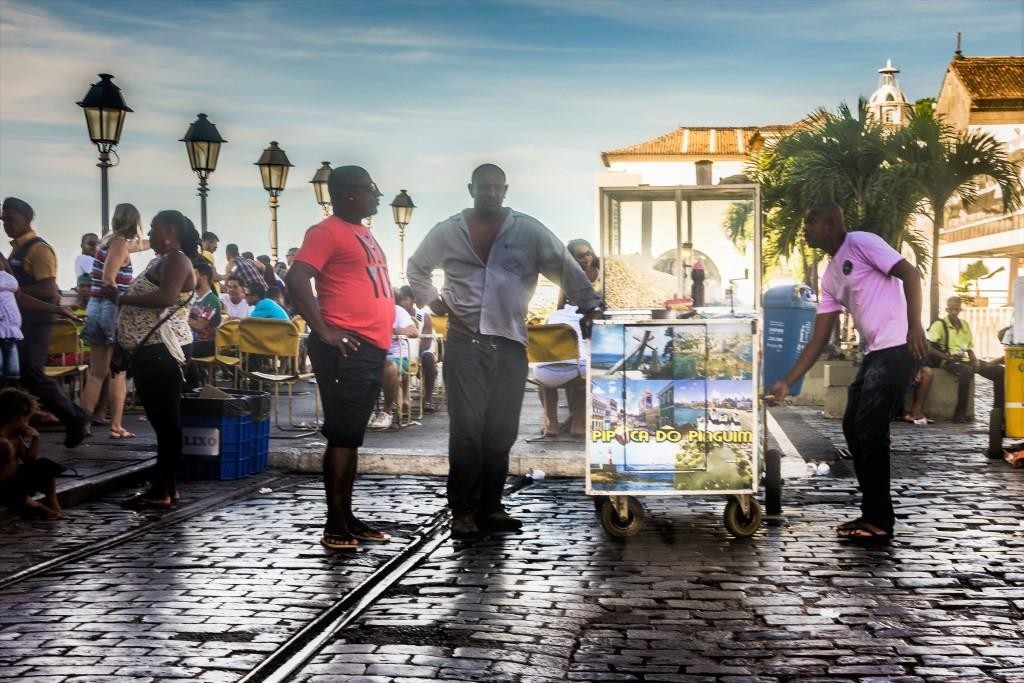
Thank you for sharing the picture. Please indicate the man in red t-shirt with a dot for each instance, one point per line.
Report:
(351, 332)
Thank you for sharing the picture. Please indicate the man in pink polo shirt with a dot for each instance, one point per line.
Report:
(882, 292)
(351, 324)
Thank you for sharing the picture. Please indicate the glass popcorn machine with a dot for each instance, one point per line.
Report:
(674, 379)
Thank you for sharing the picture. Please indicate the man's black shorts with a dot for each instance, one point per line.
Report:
(348, 388)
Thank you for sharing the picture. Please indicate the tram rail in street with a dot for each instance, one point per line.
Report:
(284, 662)
(171, 518)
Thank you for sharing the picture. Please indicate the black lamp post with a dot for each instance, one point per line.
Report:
(323, 197)
(274, 167)
(105, 109)
(202, 142)
(402, 207)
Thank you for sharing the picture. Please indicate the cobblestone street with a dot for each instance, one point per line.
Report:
(211, 596)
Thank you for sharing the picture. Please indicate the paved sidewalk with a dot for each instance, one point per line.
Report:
(101, 463)
(681, 602)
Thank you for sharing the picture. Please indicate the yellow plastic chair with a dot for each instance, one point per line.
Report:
(554, 343)
(226, 352)
(439, 323)
(274, 344)
(64, 341)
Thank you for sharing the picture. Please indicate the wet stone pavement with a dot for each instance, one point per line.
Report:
(201, 600)
(207, 599)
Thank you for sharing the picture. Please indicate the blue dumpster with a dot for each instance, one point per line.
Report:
(789, 312)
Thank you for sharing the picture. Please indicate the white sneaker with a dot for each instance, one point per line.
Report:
(380, 420)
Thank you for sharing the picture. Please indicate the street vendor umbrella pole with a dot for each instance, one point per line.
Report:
(274, 167)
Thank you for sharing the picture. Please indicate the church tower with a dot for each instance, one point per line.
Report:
(888, 104)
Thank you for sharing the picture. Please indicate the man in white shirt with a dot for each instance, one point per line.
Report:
(398, 361)
(83, 262)
(233, 299)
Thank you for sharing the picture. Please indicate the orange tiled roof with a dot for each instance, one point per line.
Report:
(991, 78)
(694, 141)
(698, 141)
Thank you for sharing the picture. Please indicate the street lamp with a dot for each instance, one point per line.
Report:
(202, 142)
(104, 108)
(323, 197)
(274, 167)
(402, 206)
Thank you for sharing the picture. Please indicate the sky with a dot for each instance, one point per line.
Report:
(419, 92)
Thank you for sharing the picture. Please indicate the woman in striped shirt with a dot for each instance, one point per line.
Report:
(112, 265)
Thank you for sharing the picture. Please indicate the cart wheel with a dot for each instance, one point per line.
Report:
(621, 528)
(738, 524)
(599, 503)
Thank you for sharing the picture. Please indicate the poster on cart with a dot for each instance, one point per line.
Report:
(672, 407)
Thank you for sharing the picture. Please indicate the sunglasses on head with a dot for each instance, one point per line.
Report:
(371, 188)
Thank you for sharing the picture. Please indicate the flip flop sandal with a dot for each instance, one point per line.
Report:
(371, 535)
(339, 541)
(864, 532)
(846, 526)
(139, 502)
(542, 438)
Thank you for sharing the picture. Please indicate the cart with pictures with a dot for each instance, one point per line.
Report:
(674, 381)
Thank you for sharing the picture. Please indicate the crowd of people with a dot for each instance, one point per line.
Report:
(363, 336)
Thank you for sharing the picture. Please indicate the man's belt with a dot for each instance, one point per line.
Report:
(456, 325)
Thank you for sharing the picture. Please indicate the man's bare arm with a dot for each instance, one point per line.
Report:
(916, 339)
(823, 323)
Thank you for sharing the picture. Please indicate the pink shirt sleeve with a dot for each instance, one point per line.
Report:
(317, 247)
(827, 303)
(877, 252)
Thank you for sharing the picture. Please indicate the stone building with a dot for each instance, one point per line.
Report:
(888, 104)
(985, 94)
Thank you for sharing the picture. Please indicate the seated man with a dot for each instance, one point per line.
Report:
(952, 350)
(563, 375)
(427, 346)
(428, 354)
(204, 319)
(262, 305)
(398, 362)
(233, 299)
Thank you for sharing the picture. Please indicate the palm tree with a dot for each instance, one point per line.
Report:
(844, 157)
(945, 163)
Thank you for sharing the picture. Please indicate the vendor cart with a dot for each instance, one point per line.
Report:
(674, 379)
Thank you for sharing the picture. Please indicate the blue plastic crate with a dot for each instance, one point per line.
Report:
(260, 445)
(215, 447)
(199, 467)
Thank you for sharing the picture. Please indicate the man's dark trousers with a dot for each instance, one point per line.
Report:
(32, 358)
(873, 397)
(484, 378)
(964, 374)
(996, 373)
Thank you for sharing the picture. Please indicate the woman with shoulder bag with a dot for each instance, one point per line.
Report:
(152, 326)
